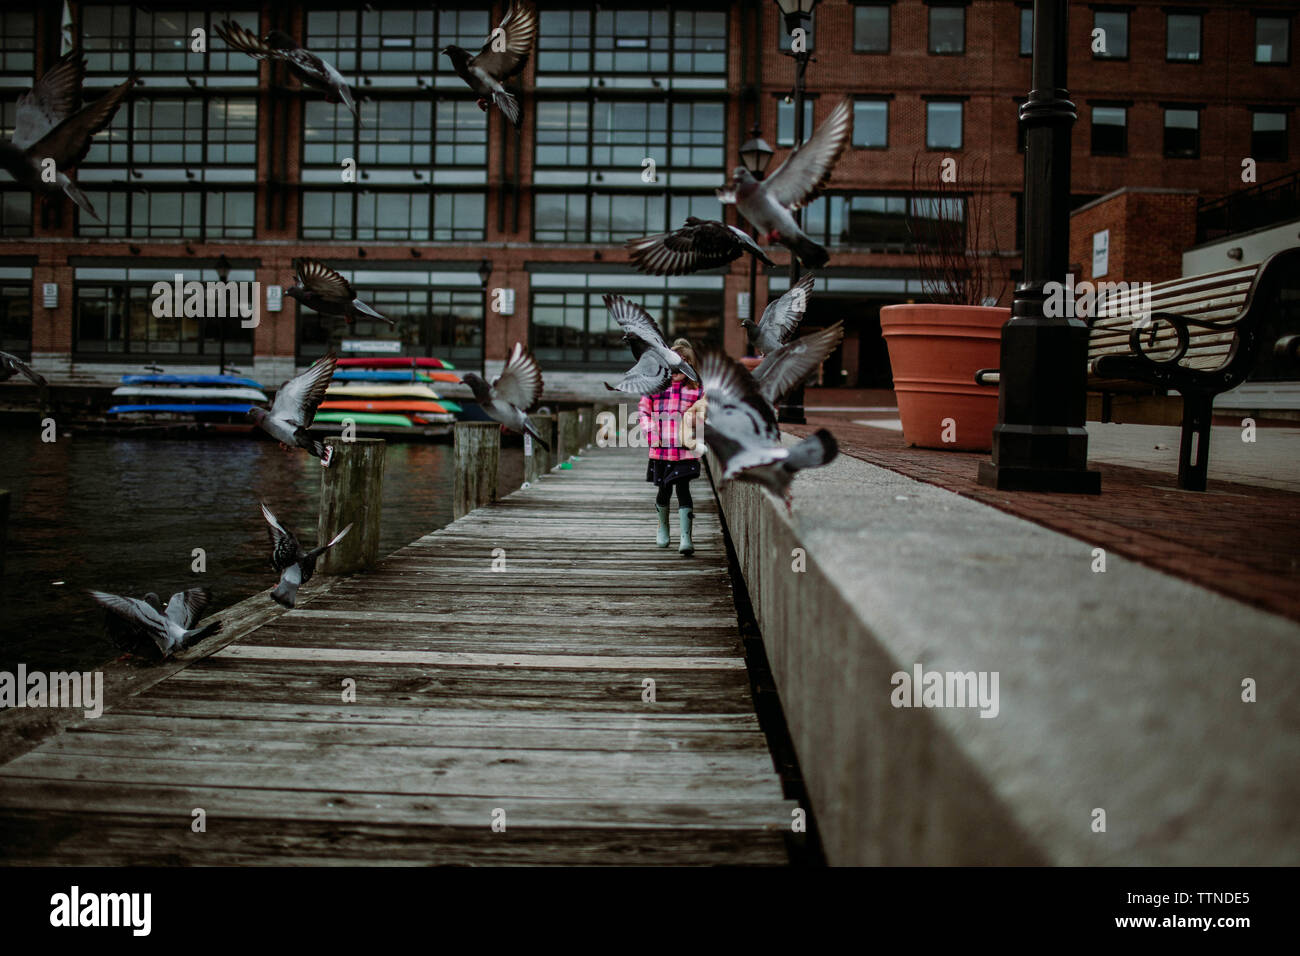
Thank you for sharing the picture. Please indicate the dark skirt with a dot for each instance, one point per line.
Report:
(663, 472)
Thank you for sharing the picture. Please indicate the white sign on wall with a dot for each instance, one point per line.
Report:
(1100, 253)
(50, 294)
(274, 298)
(392, 346)
(743, 305)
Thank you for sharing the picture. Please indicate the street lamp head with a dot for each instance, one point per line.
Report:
(796, 12)
(223, 268)
(484, 272)
(755, 154)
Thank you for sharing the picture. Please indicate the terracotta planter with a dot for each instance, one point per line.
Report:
(935, 351)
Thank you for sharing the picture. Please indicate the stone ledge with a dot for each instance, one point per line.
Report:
(1119, 691)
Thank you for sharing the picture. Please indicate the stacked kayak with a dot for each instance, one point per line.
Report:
(389, 391)
(211, 397)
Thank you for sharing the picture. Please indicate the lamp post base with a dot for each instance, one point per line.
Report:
(1059, 480)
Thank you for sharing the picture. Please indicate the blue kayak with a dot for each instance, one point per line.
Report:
(190, 380)
(181, 409)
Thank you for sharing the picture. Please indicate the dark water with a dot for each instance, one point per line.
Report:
(124, 514)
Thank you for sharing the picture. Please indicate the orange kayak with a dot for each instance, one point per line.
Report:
(390, 405)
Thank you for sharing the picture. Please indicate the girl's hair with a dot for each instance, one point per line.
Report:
(684, 348)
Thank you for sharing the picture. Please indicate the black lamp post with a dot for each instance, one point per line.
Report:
(1040, 443)
(223, 273)
(797, 13)
(484, 274)
(755, 155)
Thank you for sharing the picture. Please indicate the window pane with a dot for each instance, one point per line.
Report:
(871, 29)
(947, 29)
(785, 122)
(1182, 137)
(943, 125)
(1272, 40)
(871, 123)
(1026, 31)
(1268, 140)
(1109, 128)
(1114, 38)
(1183, 37)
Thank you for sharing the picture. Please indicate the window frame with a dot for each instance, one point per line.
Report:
(1290, 39)
(960, 102)
(931, 7)
(1168, 108)
(887, 101)
(1092, 126)
(1127, 13)
(888, 7)
(1286, 134)
(1200, 36)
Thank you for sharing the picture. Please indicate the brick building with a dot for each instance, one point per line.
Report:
(211, 158)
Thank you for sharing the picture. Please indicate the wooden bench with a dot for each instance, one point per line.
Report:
(1198, 335)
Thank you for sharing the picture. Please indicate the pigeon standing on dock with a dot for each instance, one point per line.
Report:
(294, 408)
(797, 181)
(313, 72)
(700, 244)
(504, 56)
(144, 623)
(294, 565)
(640, 327)
(11, 365)
(782, 316)
(740, 428)
(512, 393)
(323, 290)
(51, 135)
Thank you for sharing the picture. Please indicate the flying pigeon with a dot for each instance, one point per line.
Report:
(797, 181)
(648, 375)
(504, 55)
(169, 630)
(11, 365)
(639, 327)
(48, 126)
(700, 244)
(295, 565)
(294, 408)
(787, 365)
(311, 70)
(322, 289)
(781, 317)
(740, 428)
(512, 393)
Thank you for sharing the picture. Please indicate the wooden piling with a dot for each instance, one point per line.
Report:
(477, 456)
(566, 436)
(585, 417)
(351, 493)
(540, 462)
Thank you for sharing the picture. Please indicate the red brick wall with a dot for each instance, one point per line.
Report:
(1149, 232)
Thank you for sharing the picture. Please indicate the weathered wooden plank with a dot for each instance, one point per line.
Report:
(460, 659)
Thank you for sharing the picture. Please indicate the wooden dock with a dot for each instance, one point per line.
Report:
(498, 716)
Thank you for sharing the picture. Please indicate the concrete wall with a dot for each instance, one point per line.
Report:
(1118, 690)
(1254, 246)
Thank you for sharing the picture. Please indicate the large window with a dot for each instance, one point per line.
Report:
(115, 317)
(785, 120)
(1183, 37)
(180, 131)
(17, 42)
(871, 28)
(943, 124)
(574, 328)
(877, 221)
(602, 217)
(612, 134)
(871, 123)
(1273, 40)
(678, 40)
(122, 38)
(1182, 133)
(947, 29)
(406, 134)
(169, 213)
(15, 212)
(1268, 136)
(439, 322)
(1112, 43)
(16, 318)
(394, 42)
(1109, 131)
(371, 215)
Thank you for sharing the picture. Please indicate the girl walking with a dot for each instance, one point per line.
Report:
(672, 464)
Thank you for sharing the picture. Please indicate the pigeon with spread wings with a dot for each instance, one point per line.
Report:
(740, 428)
(511, 393)
(700, 244)
(783, 368)
(320, 288)
(777, 324)
(294, 565)
(294, 408)
(138, 624)
(769, 204)
(52, 130)
(312, 71)
(640, 327)
(503, 56)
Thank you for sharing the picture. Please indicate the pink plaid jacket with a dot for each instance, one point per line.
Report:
(661, 420)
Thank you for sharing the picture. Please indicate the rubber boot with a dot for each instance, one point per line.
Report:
(684, 518)
(661, 536)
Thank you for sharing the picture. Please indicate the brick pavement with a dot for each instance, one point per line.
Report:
(1240, 540)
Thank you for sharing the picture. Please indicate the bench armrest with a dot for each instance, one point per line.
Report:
(1288, 346)
(988, 376)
